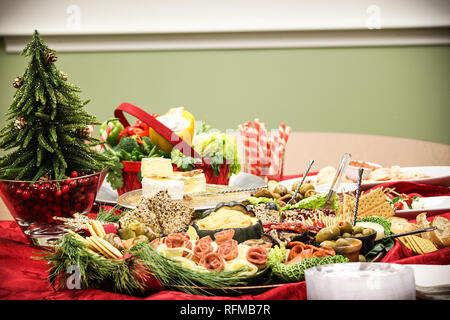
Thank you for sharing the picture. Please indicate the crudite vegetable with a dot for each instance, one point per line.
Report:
(296, 271)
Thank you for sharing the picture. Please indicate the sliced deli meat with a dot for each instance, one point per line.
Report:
(228, 249)
(257, 255)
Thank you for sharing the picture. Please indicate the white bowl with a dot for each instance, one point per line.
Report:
(352, 171)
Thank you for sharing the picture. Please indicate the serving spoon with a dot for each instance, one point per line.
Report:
(358, 194)
(301, 182)
(337, 180)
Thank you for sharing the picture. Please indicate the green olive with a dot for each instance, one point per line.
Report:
(358, 235)
(328, 243)
(357, 229)
(309, 193)
(151, 236)
(140, 238)
(271, 185)
(325, 234)
(368, 231)
(281, 189)
(305, 187)
(346, 235)
(361, 258)
(141, 229)
(294, 186)
(336, 232)
(126, 234)
(346, 227)
(341, 242)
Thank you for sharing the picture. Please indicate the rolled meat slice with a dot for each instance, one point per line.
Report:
(188, 245)
(257, 255)
(176, 240)
(228, 249)
(206, 239)
(224, 235)
(155, 243)
(202, 248)
(212, 261)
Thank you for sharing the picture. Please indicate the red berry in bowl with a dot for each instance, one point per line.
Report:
(73, 184)
(12, 189)
(19, 193)
(26, 195)
(74, 174)
(65, 189)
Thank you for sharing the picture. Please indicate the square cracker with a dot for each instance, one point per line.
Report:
(372, 204)
(424, 245)
(384, 210)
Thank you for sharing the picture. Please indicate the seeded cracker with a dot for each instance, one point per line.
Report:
(142, 213)
(162, 214)
(173, 216)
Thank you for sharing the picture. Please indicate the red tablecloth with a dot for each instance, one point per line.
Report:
(24, 278)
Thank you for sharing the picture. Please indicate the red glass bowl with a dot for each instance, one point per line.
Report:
(35, 204)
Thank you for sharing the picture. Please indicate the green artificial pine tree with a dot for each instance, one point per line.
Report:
(47, 126)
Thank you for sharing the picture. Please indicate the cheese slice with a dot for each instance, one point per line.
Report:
(193, 183)
(151, 186)
(156, 167)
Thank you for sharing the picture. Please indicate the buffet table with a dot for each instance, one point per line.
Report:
(23, 277)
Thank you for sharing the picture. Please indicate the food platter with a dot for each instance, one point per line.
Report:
(130, 199)
(434, 205)
(232, 291)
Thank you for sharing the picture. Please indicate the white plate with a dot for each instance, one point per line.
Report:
(435, 205)
(130, 199)
(431, 275)
(323, 188)
(438, 175)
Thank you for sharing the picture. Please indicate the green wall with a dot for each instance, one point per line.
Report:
(393, 91)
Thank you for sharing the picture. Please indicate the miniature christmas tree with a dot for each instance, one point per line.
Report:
(47, 132)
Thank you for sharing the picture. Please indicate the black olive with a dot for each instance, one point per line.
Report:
(271, 206)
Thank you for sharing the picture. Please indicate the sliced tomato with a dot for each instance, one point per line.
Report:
(398, 205)
(412, 195)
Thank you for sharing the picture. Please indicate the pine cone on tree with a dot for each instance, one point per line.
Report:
(63, 76)
(50, 57)
(83, 133)
(45, 177)
(18, 82)
(19, 123)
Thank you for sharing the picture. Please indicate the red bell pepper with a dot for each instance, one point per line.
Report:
(139, 129)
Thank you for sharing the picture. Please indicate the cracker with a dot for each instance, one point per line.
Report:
(425, 245)
(417, 244)
(413, 245)
(93, 245)
(91, 229)
(372, 204)
(112, 251)
(381, 210)
(98, 228)
(78, 237)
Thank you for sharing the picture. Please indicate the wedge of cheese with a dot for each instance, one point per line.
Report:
(156, 167)
(151, 186)
(194, 181)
